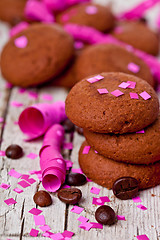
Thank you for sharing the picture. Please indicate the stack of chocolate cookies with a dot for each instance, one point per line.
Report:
(120, 117)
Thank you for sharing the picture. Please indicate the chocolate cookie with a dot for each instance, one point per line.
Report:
(88, 14)
(110, 58)
(135, 148)
(117, 111)
(12, 11)
(105, 171)
(36, 55)
(138, 35)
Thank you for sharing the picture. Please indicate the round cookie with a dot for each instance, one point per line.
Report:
(47, 52)
(138, 35)
(134, 148)
(12, 11)
(88, 14)
(110, 58)
(105, 171)
(106, 113)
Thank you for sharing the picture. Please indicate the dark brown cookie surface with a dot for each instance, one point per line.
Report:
(48, 50)
(138, 35)
(12, 11)
(88, 14)
(110, 58)
(106, 113)
(105, 171)
(135, 148)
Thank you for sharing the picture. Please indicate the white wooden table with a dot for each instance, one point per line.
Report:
(16, 222)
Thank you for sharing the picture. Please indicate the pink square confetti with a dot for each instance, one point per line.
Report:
(86, 226)
(82, 219)
(145, 95)
(121, 217)
(57, 236)
(14, 173)
(117, 93)
(142, 237)
(95, 190)
(133, 67)
(132, 85)
(133, 95)
(142, 207)
(1, 119)
(35, 211)
(78, 45)
(102, 90)
(24, 184)
(8, 85)
(141, 131)
(18, 190)
(32, 95)
(39, 220)
(104, 199)
(86, 149)
(16, 104)
(136, 199)
(96, 225)
(31, 180)
(5, 186)
(25, 176)
(97, 201)
(21, 42)
(95, 79)
(47, 97)
(68, 146)
(2, 153)
(34, 232)
(91, 10)
(124, 85)
(10, 201)
(77, 170)
(21, 90)
(68, 164)
(67, 234)
(45, 228)
(32, 156)
(77, 209)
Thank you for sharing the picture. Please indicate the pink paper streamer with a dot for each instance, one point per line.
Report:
(117, 93)
(133, 95)
(10, 201)
(35, 120)
(86, 149)
(86, 226)
(39, 220)
(34, 232)
(21, 42)
(35, 211)
(52, 164)
(145, 95)
(77, 209)
(32, 156)
(18, 28)
(158, 21)
(95, 190)
(14, 173)
(5, 186)
(121, 217)
(60, 5)
(142, 207)
(136, 199)
(18, 190)
(102, 90)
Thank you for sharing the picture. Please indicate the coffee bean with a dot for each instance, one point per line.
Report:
(75, 179)
(125, 188)
(105, 215)
(79, 130)
(42, 198)
(14, 151)
(68, 126)
(70, 195)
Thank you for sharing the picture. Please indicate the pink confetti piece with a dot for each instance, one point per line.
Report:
(141, 131)
(32, 95)
(133, 95)
(25, 176)
(34, 172)
(16, 122)
(16, 104)
(142, 237)
(69, 164)
(39, 220)
(82, 219)
(32, 156)
(102, 90)
(24, 184)
(77, 209)
(21, 42)
(132, 85)
(34, 232)
(145, 95)
(86, 149)
(95, 190)
(136, 199)
(104, 199)
(8, 85)
(117, 93)
(97, 201)
(35, 211)
(118, 30)
(67, 234)
(45, 228)
(78, 45)
(95, 79)
(91, 10)
(31, 180)
(10, 201)
(141, 207)
(18, 190)
(133, 67)
(18, 28)
(96, 225)
(14, 173)
(1, 119)
(65, 186)
(21, 90)
(57, 236)
(5, 186)
(124, 85)
(68, 146)
(86, 226)
(2, 153)
(121, 217)
(77, 170)
(47, 97)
